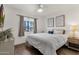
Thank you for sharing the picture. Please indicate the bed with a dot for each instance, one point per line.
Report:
(46, 43)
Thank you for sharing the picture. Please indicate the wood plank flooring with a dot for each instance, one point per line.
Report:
(67, 51)
(24, 50)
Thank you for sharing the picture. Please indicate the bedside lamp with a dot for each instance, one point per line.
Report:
(74, 29)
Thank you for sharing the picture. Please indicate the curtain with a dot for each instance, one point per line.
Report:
(21, 26)
(35, 25)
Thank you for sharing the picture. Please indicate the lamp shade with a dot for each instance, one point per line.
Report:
(74, 28)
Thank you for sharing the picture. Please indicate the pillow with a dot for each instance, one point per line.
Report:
(50, 32)
(58, 31)
(63, 31)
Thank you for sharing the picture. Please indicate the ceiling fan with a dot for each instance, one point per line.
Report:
(40, 8)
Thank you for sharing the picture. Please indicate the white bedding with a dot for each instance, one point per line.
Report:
(46, 43)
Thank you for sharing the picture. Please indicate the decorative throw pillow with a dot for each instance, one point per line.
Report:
(58, 31)
(50, 32)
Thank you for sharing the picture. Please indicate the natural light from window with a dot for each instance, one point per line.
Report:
(28, 24)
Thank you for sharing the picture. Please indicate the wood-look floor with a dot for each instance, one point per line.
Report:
(24, 50)
(67, 51)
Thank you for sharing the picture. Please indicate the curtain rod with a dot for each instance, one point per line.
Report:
(26, 16)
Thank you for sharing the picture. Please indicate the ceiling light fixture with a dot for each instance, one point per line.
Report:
(40, 8)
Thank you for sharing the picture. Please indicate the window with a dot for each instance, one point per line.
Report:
(28, 24)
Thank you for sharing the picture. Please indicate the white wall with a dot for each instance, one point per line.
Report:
(41, 24)
(12, 21)
(71, 17)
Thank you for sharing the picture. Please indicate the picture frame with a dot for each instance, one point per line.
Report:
(50, 22)
(60, 21)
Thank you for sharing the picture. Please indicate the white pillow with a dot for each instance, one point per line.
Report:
(58, 31)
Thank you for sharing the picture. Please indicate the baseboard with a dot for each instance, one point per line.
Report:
(19, 44)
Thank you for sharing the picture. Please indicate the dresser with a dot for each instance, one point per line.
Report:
(73, 43)
(7, 47)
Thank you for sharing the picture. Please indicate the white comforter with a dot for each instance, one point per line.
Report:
(47, 43)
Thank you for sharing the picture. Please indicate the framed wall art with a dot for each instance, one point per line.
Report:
(60, 21)
(50, 22)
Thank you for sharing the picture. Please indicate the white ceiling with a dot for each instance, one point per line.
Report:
(48, 8)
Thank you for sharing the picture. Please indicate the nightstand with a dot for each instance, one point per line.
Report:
(73, 43)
